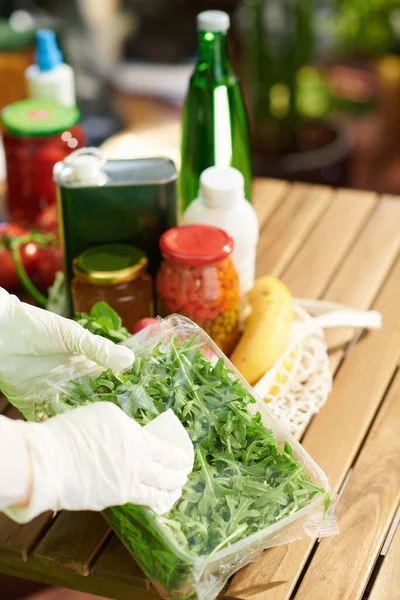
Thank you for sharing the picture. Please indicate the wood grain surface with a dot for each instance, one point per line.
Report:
(312, 268)
(387, 584)
(73, 542)
(3, 403)
(289, 226)
(340, 568)
(354, 286)
(367, 265)
(18, 541)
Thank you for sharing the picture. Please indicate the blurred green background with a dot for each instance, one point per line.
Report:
(321, 78)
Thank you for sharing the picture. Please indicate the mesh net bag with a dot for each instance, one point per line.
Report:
(299, 383)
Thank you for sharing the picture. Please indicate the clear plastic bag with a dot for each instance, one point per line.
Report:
(252, 487)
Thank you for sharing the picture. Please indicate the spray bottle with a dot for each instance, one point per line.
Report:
(50, 78)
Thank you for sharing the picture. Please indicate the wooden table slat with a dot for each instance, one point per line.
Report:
(312, 268)
(387, 584)
(116, 588)
(18, 541)
(3, 403)
(268, 194)
(341, 566)
(73, 542)
(11, 412)
(367, 265)
(358, 389)
(116, 562)
(289, 225)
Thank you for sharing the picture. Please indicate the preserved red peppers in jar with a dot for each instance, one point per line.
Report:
(197, 279)
(37, 134)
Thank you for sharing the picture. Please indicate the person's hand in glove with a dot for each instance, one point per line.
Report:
(33, 342)
(88, 459)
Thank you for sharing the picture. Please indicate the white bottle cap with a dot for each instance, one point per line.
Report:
(221, 187)
(85, 166)
(213, 20)
(49, 78)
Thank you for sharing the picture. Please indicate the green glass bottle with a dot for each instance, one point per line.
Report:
(215, 127)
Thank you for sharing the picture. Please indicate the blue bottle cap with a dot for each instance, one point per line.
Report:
(48, 54)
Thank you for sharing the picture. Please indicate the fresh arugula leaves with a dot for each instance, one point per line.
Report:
(104, 321)
(242, 482)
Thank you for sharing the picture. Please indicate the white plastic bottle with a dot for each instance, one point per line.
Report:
(221, 202)
(50, 78)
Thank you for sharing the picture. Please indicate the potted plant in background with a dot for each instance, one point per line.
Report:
(368, 62)
(366, 29)
(284, 42)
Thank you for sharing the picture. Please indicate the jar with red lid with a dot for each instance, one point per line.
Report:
(37, 134)
(197, 279)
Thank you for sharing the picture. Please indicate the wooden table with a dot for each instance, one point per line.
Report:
(339, 245)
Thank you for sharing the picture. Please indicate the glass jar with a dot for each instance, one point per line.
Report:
(116, 274)
(197, 279)
(17, 53)
(37, 134)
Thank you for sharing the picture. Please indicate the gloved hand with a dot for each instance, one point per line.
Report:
(94, 457)
(33, 342)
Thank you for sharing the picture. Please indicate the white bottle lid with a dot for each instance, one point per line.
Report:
(85, 166)
(213, 20)
(221, 187)
(49, 78)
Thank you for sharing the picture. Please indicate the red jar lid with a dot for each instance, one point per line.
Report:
(196, 245)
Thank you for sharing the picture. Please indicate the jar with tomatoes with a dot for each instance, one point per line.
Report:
(37, 134)
(197, 279)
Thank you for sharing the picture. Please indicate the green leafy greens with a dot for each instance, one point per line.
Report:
(242, 482)
(104, 321)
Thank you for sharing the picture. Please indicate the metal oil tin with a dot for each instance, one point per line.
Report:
(113, 201)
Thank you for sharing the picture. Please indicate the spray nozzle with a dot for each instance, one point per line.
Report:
(48, 54)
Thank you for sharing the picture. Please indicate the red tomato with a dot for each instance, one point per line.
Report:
(29, 256)
(49, 263)
(8, 276)
(48, 219)
(144, 323)
(11, 229)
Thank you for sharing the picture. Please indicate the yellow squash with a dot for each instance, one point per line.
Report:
(267, 330)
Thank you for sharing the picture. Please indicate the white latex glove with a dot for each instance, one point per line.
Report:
(95, 457)
(33, 342)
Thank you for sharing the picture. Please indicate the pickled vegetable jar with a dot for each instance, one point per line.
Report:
(116, 274)
(197, 279)
(37, 134)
